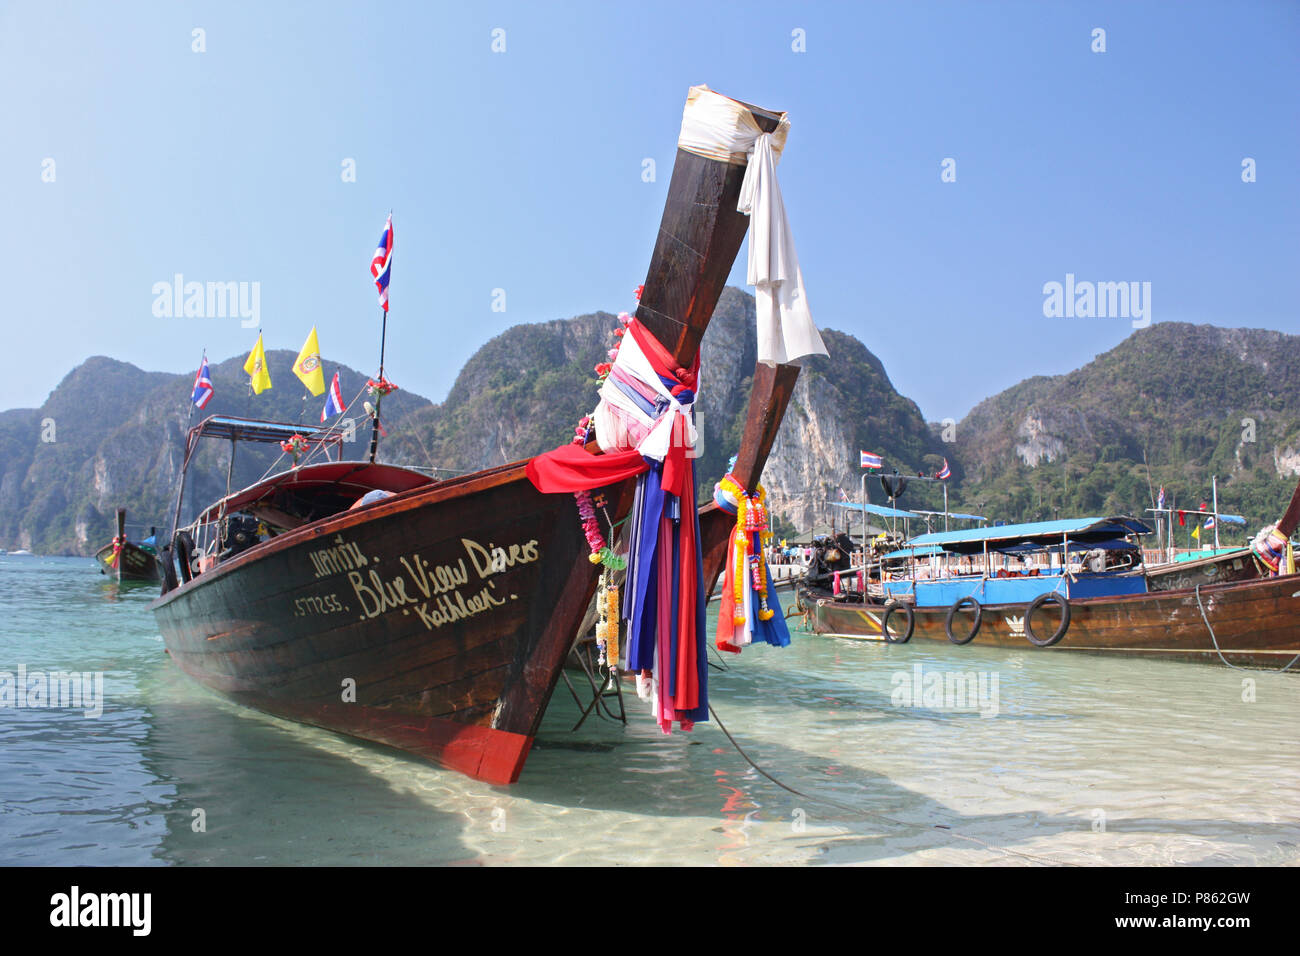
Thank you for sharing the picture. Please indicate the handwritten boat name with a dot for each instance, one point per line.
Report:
(434, 591)
(339, 557)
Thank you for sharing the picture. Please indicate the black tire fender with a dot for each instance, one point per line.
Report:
(168, 561)
(1061, 628)
(890, 608)
(184, 552)
(957, 605)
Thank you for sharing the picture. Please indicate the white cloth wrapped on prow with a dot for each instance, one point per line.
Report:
(622, 424)
(724, 129)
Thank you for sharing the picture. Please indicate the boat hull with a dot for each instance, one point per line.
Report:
(1255, 623)
(1234, 566)
(132, 563)
(436, 621)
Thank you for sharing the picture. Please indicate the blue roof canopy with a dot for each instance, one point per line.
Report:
(1036, 533)
(953, 514)
(1229, 519)
(878, 510)
(920, 552)
(252, 429)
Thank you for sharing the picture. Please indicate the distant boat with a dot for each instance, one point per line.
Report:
(1213, 565)
(21, 553)
(124, 560)
(1235, 564)
(1103, 605)
(437, 618)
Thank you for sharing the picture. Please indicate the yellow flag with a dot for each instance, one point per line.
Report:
(307, 366)
(1197, 533)
(258, 375)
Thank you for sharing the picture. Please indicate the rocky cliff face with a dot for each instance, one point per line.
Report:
(1171, 405)
(1194, 401)
(111, 435)
(522, 393)
(118, 433)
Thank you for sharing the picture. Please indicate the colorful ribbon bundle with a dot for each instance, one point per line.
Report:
(1273, 549)
(750, 611)
(645, 426)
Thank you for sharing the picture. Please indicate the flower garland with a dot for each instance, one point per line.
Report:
(295, 446)
(601, 553)
(751, 519)
(607, 625)
(380, 388)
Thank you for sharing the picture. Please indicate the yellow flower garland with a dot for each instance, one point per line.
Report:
(607, 623)
(745, 564)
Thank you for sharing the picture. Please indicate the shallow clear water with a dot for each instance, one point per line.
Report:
(1088, 760)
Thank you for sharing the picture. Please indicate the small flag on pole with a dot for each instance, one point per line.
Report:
(1209, 522)
(255, 365)
(870, 461)
(381, 264)
(307, 365)
(945, 472)
(333, 401)
(202, 386)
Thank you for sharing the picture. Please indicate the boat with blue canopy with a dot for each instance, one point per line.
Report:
(1079, 583)
(1016, 563)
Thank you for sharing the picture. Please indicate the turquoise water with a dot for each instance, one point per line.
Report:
(1086, 760)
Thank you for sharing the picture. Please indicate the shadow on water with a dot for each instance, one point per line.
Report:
(861, 815)
(271, 792)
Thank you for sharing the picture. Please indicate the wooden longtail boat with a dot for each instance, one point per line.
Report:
(124, 560)
(437, 619)
(1246, 622)
(1238, 565)
(1254, 623)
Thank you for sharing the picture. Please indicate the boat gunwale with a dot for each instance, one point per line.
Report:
(404, 501)
(1210, 590)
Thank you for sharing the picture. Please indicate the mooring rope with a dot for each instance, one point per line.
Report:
(1209, 628)
(873, 813)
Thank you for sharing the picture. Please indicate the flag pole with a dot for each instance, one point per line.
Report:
(383, 334)
(374, 430)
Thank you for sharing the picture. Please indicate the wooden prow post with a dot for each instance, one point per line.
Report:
(699, 237)
(773, 386)
(1291, 518)
(121, 524)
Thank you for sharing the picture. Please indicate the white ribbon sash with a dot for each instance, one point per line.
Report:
(722, 128)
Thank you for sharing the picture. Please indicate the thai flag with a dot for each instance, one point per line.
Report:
(381, 266)
(1160, 499)
(333, 400)
(1209, 522)
(944, 472)
(870, 461)
(202, 386)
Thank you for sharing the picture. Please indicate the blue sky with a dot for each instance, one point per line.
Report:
(522, 171)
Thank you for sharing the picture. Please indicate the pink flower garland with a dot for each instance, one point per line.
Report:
(590, 526)
(601, 553)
